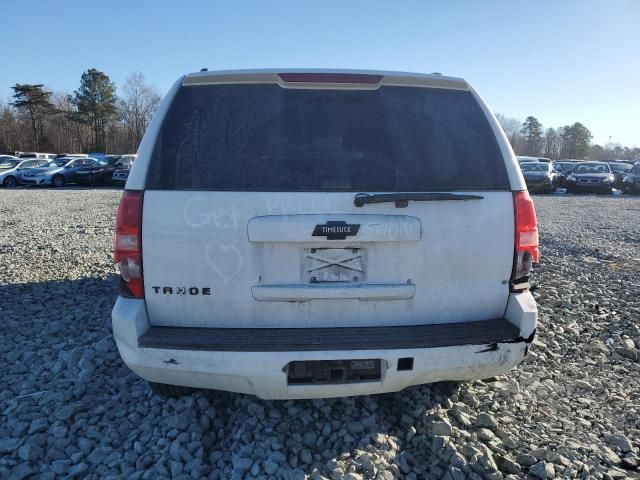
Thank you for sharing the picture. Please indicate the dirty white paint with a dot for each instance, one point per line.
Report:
(457, 256)
(261, 373)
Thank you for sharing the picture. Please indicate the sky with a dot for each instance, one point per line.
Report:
(561, 61)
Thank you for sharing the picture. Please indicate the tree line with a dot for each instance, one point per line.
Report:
(94, 118)
(91, 119)
(529, 138)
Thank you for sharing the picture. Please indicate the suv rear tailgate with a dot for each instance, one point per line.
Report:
(434, 262)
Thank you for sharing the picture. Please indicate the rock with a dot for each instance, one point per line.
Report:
(270, 467)
(98, 455)
(65, 413)
(440, 428)
(507, 464)
(30, 452)
(582, 384)
(309, 439)
(305, 456)
(462, 417)
(353, 476)
(174, 451)
(542, 470)
(77, 470)
(485, 420)
(627, 353)
(242, 463)
(9, 445)
(21, 471)
(486, 435)
(620, 441)
(104, 345)
(38, 425)
(525, 459)
(60, 467)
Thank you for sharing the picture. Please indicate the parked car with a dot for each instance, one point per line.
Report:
(323, 234)
(44, 156)
(564, 168)
(619, 170)
(590, 177)
(522, 158)
(71, 155)
(123, 167)
(11, 170)
(111, 164)
(65, 170)
(539, 176)
(8, 157)
(631, 183)
(110, 159)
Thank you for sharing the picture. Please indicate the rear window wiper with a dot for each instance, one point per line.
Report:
(402, 199)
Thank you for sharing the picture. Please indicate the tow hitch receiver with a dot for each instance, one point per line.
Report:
(323, 372)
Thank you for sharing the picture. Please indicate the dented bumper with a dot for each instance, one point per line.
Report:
(260, 369)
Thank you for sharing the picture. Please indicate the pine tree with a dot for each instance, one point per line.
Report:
(532, 131)
(576, 140)
(96, 103)
(35, 102)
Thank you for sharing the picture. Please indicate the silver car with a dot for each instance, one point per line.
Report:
(12, 169)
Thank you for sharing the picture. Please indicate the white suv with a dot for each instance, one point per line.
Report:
(312, 233)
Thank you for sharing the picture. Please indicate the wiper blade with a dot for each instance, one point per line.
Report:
(402, 199)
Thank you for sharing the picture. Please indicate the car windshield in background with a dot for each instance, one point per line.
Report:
(591, 168)
(60, 162)
(636, 169)
(565, 167)
(620, 167)
(534, 167)
(268, 138)
(4, 164)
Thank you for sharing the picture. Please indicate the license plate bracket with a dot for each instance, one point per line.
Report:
(321, 265)
(326, 372)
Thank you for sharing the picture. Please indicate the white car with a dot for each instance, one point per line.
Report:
(12, 169)
(308, 234)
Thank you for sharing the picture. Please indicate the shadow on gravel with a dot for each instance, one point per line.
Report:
(69, 407)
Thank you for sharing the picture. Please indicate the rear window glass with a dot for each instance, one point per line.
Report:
(268, 138)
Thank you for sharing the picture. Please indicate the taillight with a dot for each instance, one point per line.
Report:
(526, 239)
(128, 244)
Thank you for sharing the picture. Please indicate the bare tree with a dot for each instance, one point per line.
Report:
(511, 127)
(552, 142)
(137, 107)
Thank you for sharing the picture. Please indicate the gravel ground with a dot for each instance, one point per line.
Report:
(70, 408)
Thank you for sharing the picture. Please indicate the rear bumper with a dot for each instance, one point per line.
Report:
(227, 359)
